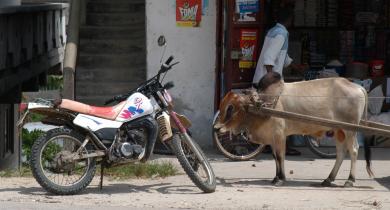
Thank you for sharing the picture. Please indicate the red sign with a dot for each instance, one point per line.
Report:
(248, 43)
(188, 13)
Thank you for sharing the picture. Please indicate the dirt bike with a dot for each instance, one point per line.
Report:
(64, 160)
(240, 148)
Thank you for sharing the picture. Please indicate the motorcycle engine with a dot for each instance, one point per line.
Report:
(130, 144)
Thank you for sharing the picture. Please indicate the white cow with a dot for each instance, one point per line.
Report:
(332, 98)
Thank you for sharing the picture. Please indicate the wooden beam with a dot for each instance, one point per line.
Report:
(37, 66)
(322, 121)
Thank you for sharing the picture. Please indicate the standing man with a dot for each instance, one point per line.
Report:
(274, 57)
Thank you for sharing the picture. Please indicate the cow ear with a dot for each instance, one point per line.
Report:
(229, 112)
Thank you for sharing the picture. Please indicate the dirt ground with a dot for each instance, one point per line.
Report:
(241, 185)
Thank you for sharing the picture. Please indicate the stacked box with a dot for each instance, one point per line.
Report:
(347, 40)
(310, 13)
(346, 14)
(299, 13)
(321, 13)
(332, 13)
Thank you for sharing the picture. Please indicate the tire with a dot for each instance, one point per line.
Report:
(178, 146)
(235, 147)
(38, 168)
(328, 152)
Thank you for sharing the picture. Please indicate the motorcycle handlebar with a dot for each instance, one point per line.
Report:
(169, 60)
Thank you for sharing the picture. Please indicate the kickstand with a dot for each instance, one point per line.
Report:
(101, 175)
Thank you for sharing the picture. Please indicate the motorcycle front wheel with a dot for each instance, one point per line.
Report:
(55, 174)
(194, 162)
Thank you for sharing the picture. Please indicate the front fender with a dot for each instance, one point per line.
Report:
(183, 119)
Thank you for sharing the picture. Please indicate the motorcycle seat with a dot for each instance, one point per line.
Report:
(109, 113)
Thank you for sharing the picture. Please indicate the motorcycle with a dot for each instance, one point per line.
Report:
(64, 160)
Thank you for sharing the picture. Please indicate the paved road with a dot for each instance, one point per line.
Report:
(241, 185)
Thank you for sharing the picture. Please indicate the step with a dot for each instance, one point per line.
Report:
(116, 6)
(131, 60)
(112, 46)
(111, 75)
(115, 19)
(88, 88)
(94, 100)
(113, 32)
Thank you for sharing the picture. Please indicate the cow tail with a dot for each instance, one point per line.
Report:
(367, 155)
(367, 141)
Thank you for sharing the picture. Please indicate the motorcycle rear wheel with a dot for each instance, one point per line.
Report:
(185, 149)
(66, 179)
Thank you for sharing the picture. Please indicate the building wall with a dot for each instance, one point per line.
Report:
(4, 3)
(195, 48)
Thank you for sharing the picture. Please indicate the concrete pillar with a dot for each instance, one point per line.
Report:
(71, 49)
(6, 3)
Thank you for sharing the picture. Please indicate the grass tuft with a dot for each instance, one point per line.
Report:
(23, 172)
(143, 170)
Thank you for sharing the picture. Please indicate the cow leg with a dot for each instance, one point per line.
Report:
(279, 152)
(353, 148)
(276, 179)
(340, 149)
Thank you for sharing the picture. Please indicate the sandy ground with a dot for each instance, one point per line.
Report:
(241, 185)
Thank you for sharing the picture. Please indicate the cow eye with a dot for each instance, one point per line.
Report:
(229, 113)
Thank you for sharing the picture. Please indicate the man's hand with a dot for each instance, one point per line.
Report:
(269, 68)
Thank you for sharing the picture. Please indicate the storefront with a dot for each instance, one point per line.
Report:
(333, 38)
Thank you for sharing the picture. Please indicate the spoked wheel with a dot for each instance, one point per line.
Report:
(324, 148)
(235, 147)
(52, 167)
(194, 162)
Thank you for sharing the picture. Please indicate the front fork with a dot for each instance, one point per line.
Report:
(186, 137)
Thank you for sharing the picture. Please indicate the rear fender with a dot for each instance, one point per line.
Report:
(52, 115)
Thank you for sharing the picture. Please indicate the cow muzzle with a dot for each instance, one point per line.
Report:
(220, 127)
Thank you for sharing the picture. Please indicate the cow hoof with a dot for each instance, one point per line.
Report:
(276, 179)
(348, 183)
(279, 183)
(326, 183)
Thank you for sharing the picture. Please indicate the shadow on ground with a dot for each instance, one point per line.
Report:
(302, 184)
(384, 181)
(307, 155)
(116, 188)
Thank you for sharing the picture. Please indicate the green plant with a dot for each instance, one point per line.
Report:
(34, 117)
(54, 83)
(28, 139)
(143, 170)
